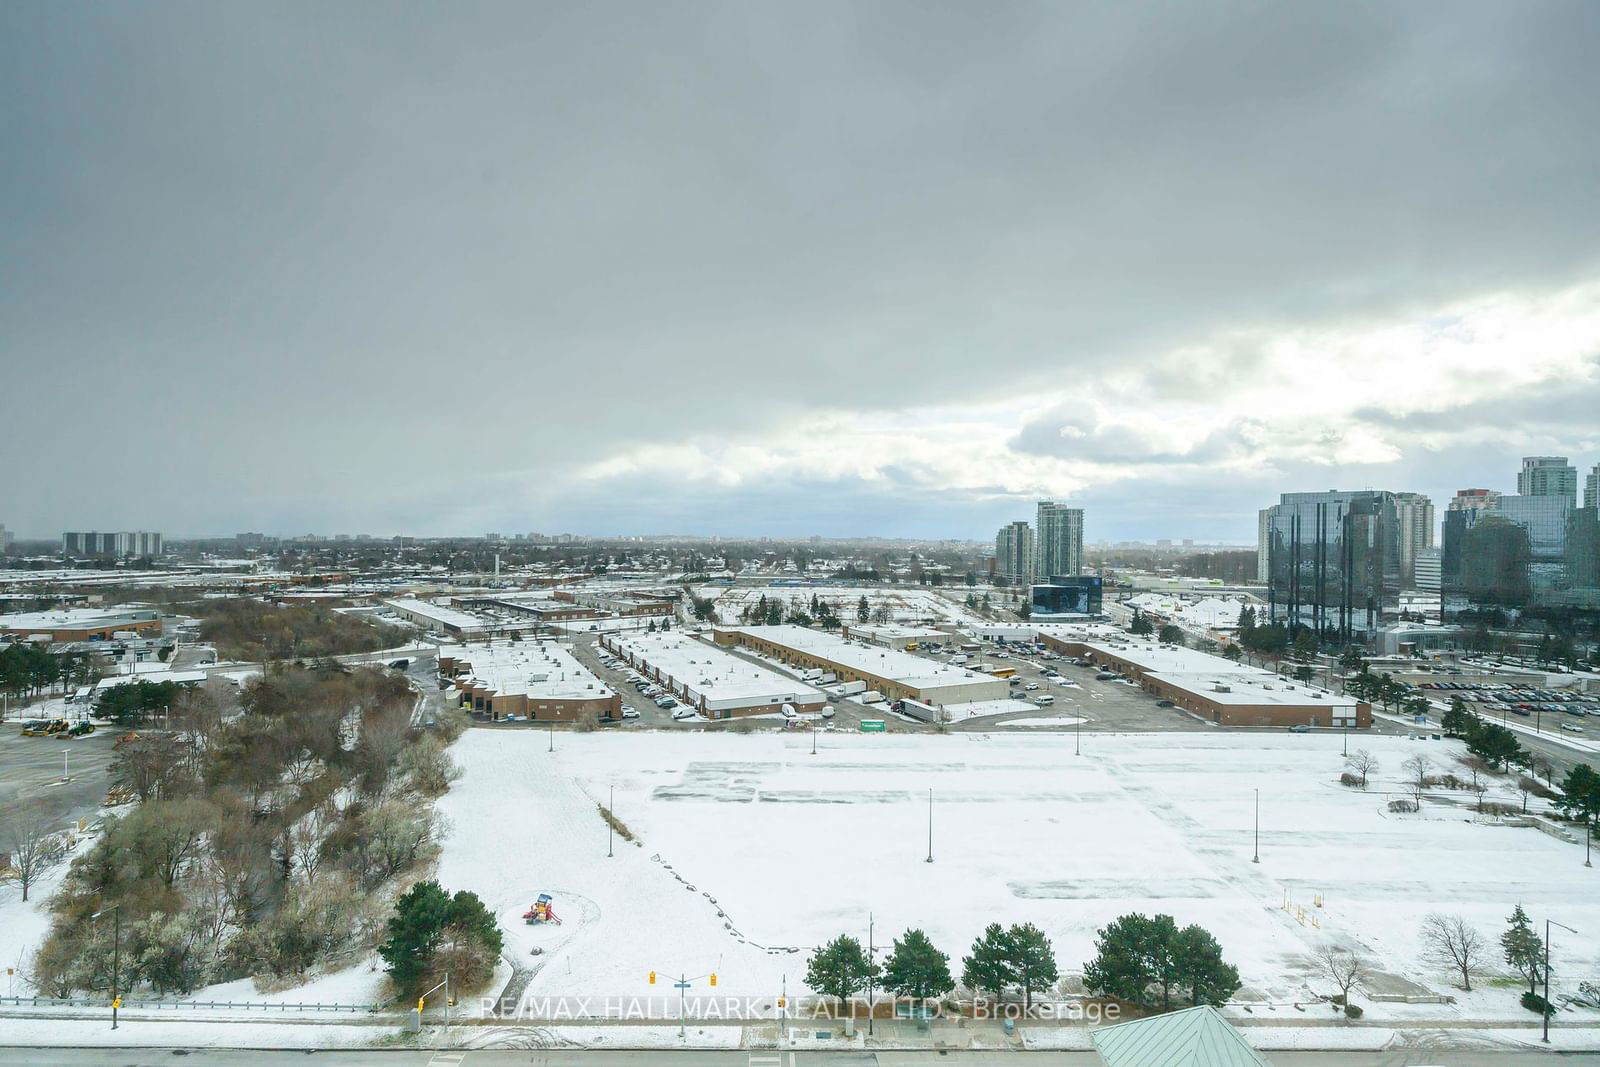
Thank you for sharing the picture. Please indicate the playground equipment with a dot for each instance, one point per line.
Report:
(541, 912)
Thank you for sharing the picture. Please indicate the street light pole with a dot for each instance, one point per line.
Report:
(611, 809)
(930, 826)
(870, 951)
(552, 735)
(1257, 857)
(1546, 1010)
(1077, 737)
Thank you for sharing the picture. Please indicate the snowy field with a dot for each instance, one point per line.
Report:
(752, 846)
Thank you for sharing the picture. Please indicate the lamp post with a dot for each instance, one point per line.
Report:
(1588, 824)
(552, 735)
(611, 810)
(869, 973)
(116, 956)
(1077, 737)
(1546, 1012)
(1257, 857)
(930, 826)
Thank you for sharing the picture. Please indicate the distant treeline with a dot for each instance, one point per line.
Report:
(253, 630)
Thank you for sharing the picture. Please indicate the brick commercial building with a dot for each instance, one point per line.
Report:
(79, 624)
(715, 683)
(1214, 688)
(534, 680)
(897, 675)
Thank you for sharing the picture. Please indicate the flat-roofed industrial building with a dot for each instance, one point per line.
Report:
(897, 675)
(715, 683)
(535, 680)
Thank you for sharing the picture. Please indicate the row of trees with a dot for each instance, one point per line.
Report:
(28, 669)
(1144, 960)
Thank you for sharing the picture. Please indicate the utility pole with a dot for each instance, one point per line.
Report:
(870, 951)
(1257, 857)
(611, 810)
(930, 826)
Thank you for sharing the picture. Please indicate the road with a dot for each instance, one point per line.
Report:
(62, 1057)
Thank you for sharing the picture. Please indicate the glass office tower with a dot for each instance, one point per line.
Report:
(1334, 561)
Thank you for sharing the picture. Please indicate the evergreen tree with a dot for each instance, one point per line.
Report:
(414, 931)
(1201, 969)
(840, 968)
(1033, 961)
(989, 968)
(863, 610)
(1458, 721)
(1523, 949)
(1494, 744)
(1122, 966)
(1141, 625)
(916, 969)
(1580, 793)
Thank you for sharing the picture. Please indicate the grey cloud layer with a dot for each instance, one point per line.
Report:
(342, 265)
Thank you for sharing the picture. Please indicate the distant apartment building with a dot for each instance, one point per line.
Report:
(1475, 500)
(1591, 487)
(1428, 570)
(1057, 540)
(1548, 476)
(1415, 514)
(122, 545)
(1334, 560)
(1263, 541)
(5, 537)
(1013, 552)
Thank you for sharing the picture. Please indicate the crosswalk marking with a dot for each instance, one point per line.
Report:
(447, 1059)
(766, 1059)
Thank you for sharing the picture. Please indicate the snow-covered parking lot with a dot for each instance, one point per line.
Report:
(750, 844)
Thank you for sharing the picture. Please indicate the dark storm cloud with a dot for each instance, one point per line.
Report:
(311, 266)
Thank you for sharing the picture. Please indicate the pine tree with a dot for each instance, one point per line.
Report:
(1122, 965)
(840, 968)
(1523, 949)
(1201, 969)
(916, 969)
(414, 930)
(989, 967)
(863, 610)
(1033, 961)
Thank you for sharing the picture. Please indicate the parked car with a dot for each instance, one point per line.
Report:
(629, 711)
(1572, 728)
(684, 713)
(1163, 703)
(666, 702)
(827, 711)
(1031, 686)
(1106, 676)
(399, 665)
(1300, 728)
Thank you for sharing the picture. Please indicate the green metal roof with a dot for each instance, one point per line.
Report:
(1194, 1037)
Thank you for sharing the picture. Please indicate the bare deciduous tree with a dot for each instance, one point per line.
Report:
(28, 836)
(1449, 940)
(1364, 763)
(1342, 966)
(1417, 768)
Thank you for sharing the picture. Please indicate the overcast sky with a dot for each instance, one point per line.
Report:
(786, 269)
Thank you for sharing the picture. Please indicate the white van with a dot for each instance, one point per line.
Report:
(958, 659)
(1045, 700)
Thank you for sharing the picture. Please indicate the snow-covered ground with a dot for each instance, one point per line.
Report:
(751, 845)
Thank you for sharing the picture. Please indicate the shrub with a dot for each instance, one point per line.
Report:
(1402, 805)
(1350, 779)
(1536, 1004)
(427, 767)
(1352, 1011)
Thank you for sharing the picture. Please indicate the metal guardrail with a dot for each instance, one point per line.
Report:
(193, 1005)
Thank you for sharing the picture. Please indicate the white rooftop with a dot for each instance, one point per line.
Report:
(73, 618)
(444, 616)
(723, 679)
(902, 667)
(535, 669)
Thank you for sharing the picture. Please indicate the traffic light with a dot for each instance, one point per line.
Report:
(713, 981)
(782, 1003)
(652, 978)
